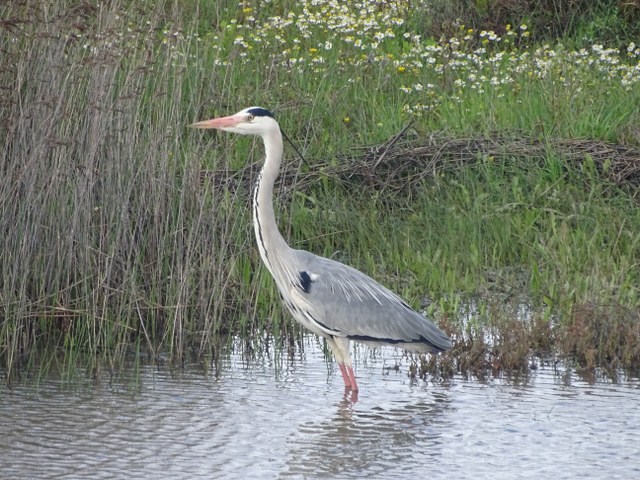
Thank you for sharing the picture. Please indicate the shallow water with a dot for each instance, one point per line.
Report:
(281, 417)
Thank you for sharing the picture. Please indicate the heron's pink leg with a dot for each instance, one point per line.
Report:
(352, 379)
(345, 375)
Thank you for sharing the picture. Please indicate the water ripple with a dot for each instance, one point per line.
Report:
(282, 417)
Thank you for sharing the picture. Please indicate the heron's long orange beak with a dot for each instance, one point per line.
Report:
(222, 122)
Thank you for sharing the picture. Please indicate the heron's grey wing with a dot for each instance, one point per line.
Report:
(344, 301)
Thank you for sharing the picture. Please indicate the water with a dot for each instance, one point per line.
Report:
(280, 417)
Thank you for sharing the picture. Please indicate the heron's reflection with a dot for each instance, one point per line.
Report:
(367, 437)
(349, 398)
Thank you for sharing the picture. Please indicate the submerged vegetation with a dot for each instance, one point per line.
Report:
(123, 232)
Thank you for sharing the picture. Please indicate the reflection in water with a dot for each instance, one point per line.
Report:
(286, 416)
(374, 441)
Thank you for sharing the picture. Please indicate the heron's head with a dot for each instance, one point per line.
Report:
(250, 121)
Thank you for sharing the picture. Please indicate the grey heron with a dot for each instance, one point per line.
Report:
(329, 298)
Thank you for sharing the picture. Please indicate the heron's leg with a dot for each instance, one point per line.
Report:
(350, 378)
(345, 375)
(344, 363)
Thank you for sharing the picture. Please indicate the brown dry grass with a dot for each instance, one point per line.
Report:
(399, 163)
(603, 336)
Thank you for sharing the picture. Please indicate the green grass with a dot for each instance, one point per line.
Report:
(123, 231)
(573, 232)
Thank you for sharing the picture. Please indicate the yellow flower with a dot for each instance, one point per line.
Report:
(401, 69)
(247, 10)
(313, 50)
(346, 119)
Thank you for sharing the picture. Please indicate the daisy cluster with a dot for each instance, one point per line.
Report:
(316, 31)
(497, 66)
(380, 40)
(321, 36)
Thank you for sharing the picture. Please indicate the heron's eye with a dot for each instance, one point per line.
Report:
(250, 118)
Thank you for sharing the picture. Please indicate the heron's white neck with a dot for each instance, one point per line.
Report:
(270, 242)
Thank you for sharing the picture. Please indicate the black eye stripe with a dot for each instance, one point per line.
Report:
(260, 112)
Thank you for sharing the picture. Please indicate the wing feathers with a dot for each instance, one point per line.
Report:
(345, 300)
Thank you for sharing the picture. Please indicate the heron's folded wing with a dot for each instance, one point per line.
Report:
(343, 299)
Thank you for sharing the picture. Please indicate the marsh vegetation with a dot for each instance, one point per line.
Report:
(515, 187)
